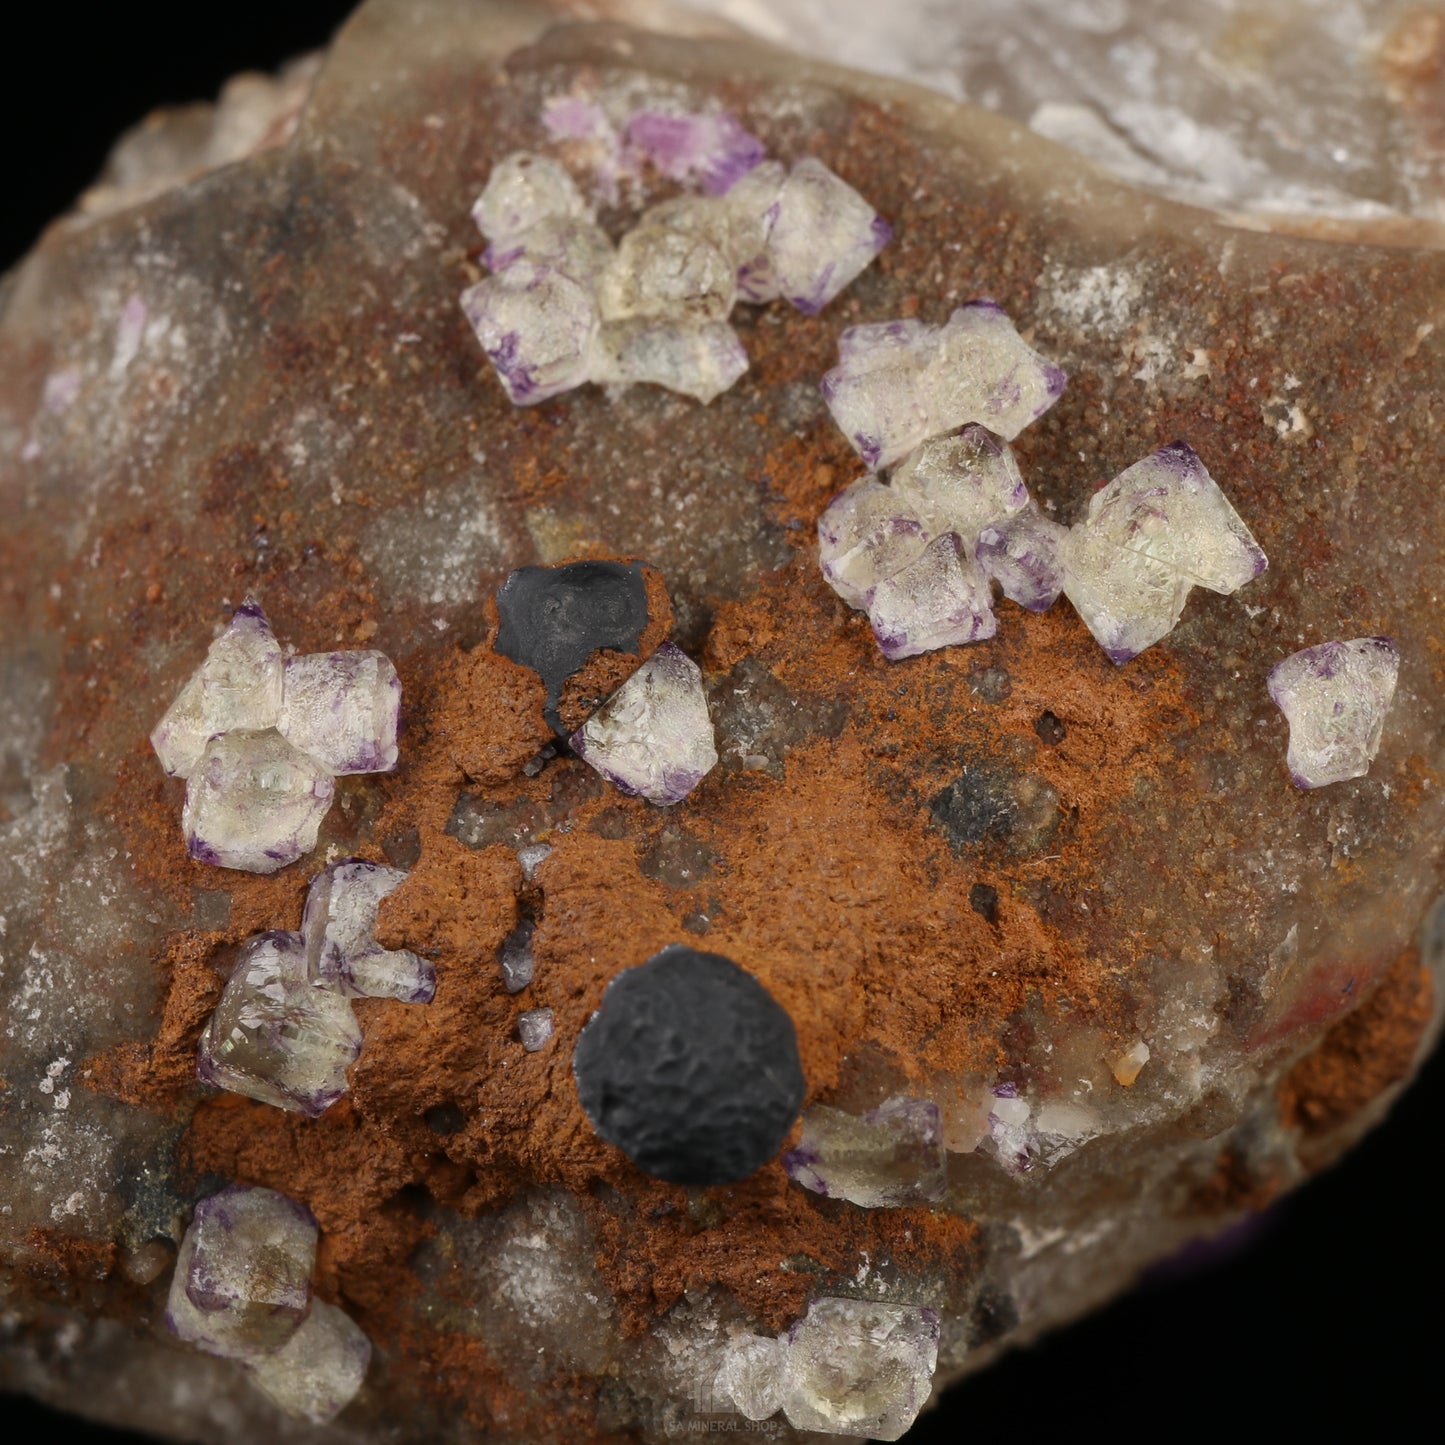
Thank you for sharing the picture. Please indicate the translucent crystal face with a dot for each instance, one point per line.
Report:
(344, 709)
(522, 190)
(275, 1036)
(963, 481)
(753, 1375)
(875, 392)
(537, 327)
(662, 272)
(889, 1157)
(338, 927)
(698, 360)
(1023, 555)
(858, 1368)
(1335, 696)
(822, 234)
(535, 1028)
(516, 957)
(254, 802)
(750, 205)
(243, 1280)
(571, 246)
(320, 1369)
(940, 599)
(1127, 600)
(868, 533)
(237, 687)
(653, 737)
(1169, 508)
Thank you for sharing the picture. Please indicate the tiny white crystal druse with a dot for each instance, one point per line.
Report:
(259, 738)
(284, 1032)
(848, 1367)
(653, 737)
(563, 306)
(1335, 697)
(242, 1290)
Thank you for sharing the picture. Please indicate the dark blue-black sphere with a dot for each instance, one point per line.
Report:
(691, 1068)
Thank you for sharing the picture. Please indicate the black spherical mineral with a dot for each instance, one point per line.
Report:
(691, 1068)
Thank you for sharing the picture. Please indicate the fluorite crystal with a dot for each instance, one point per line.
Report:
(344, 709)
(1159, 528)
(516, 959)
(891, 1156)
(690, 1067)
(275, 1036)
(653, 737)
(962, 481)
(898, 383)
(662, 273)
(1023, 554)
(339, 926)
(237, 688)
(522, 191)
(868, 533)
(1335, 696)
(938, 600)
(254, 802)
(697, 359)
(320, 1369)
(710, 148)
(753, 1375)
(856, 1367)
(534, 1028)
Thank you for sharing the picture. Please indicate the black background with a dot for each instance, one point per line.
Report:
(1329, 1322)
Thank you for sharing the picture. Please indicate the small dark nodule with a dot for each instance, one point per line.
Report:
(1050, 730)
(445, 1119)
(984, 900)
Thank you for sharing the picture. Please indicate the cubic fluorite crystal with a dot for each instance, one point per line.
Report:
(254, 802)
(663, 273)
(523, 190)
(962, 481)
(938, 600)
(1159, 528)
(898, 383)
(856, 1367)
(242, 1283)
(690, 1067)
(339, 925)
(891, 1156)
(516, 959)
(275, 1036)
(1335, 696)
(237, 688)
(344, 709)
(868, 533)
(697, 359)
(653, 737)
(320, 1369)
(1023, 554)
(711, 148)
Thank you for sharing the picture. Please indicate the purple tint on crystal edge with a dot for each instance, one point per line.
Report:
(1120, 655)
(984, 303)
(870, 449)
(252, 609)
(1006, 1091)
(1055, 379)
(1179, 454)
(882, 234)
(202, 851)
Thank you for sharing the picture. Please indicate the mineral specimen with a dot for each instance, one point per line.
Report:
(898, 383)
(868, 533)
(554, 618)
(254, 802)
(339, 927)
(534, 1028)
(277, 1037)
(516, 959)
(259, 739)
(242, 1289)
(1159, 528)
(940, 599)
(962, 481)
(1023, 554)
(691, 1068)
(653, 737)
(891, 1156)
(1335, 697)
(242, 1283)
(562, 307)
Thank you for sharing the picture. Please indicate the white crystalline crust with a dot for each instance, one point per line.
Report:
(1335, 697)
(563, 307)
(653, 737)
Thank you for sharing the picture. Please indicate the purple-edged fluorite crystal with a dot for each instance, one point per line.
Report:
(237, 687)
(653, 737)
(663, 272)
(1158, 529)
(254, 802)
(961, 481)
(712, 149)
(320, 1369)
(857, 1367)
(1022, 554)
(697, 359)
(338, 927)
(1335, 697)
(898, 383)
(275, 1036)
(344, 709)
(890, 1157)
(940, 599)
(868, 533)
(523, 190)
(242, 1284)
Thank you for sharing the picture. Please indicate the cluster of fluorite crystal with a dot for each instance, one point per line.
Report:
(242, 1290)
(848, 1367)
(564, 306)
(921, 554)
(284, 1032)
(259, 737)
(889, 1157)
